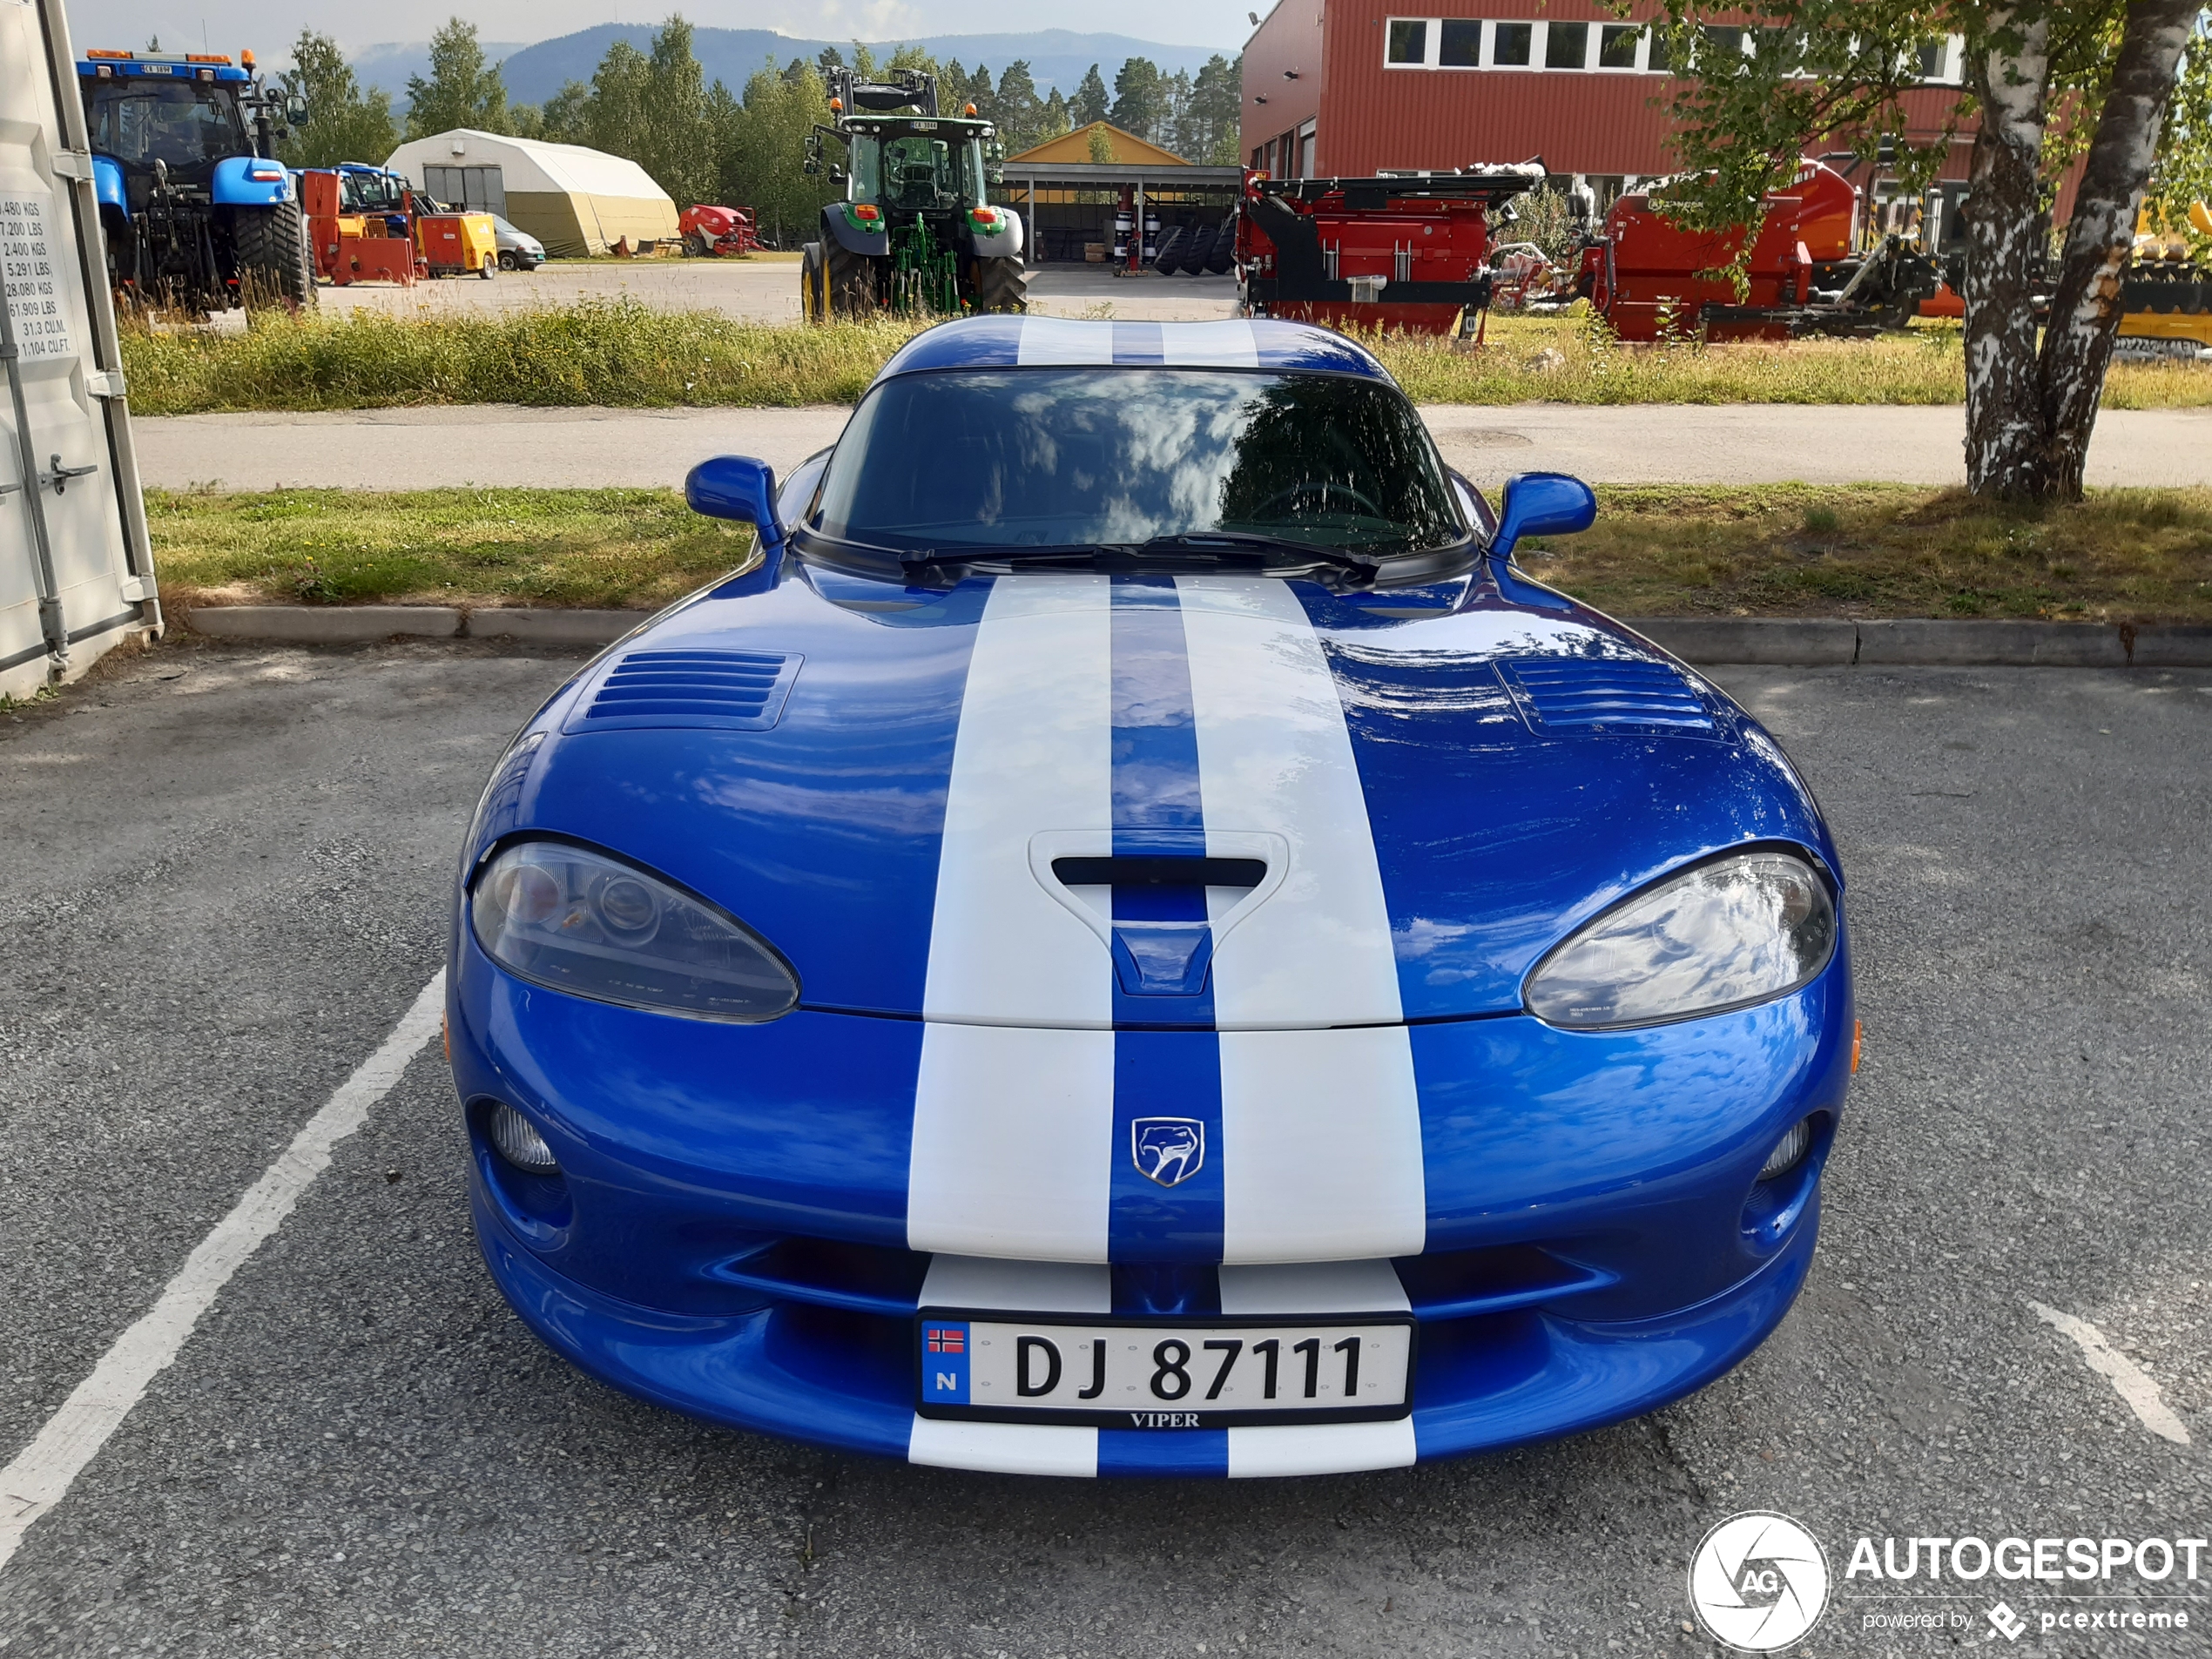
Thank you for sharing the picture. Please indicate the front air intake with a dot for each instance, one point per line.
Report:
(1595, 695)
(730, 690)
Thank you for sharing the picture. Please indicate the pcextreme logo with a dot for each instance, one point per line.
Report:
(1759, 1581)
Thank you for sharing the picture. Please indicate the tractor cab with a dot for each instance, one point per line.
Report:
(196, 210)
(930, 167)
(916, 231)
(177, 126)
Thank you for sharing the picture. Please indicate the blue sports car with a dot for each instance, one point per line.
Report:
(1134, 940)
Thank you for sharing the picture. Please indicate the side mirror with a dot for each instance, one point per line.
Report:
(993, 173)
(1537, 504)
(812, 164)
(295, 110)
(1542, 503)
(740, 487)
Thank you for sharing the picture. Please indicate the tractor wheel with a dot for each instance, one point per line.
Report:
(852, 281)
(272, 256)
(1168, 258)
(810, 283)
(1000, 285)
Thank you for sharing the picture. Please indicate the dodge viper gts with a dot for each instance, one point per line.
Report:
(1134, 938)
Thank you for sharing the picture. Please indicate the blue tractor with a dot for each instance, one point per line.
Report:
(198, 213)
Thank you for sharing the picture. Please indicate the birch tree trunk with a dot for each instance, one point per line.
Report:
(2029, 412)
(2100, 236)
(2005, 446)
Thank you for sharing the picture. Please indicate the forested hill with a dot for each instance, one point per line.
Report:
(1057, 57)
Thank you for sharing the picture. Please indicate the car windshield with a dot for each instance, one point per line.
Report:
(985, 459)
(184, 124)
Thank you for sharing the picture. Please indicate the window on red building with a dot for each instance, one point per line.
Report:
(1462, 43)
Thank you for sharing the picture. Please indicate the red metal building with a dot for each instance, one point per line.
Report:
(1348, 88)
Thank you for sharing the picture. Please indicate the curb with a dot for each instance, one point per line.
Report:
(1759, 642)
(361, 624)
(1790, 641)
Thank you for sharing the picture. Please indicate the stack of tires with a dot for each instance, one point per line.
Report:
(1196, 250)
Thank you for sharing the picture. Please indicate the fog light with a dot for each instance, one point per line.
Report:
(519, 1144)
(1787, 1150)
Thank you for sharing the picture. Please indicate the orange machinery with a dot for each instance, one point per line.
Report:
(370, 225)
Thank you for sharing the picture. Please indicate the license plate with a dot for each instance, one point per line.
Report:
(1160, 1374)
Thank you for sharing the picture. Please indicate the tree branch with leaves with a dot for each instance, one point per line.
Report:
(1753, 98)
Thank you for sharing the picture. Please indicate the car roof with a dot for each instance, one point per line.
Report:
(1006, 341)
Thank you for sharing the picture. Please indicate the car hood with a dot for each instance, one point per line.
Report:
(1090, 801)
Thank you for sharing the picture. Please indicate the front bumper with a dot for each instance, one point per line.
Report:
(844, 1379)
(730, 1236)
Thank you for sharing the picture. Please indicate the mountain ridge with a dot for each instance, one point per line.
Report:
(533, 72)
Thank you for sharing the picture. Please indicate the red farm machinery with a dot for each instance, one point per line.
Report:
(725, 232)
(1408, 253)
(1650, 279)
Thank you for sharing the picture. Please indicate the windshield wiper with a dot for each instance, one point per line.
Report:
(1238, 543)
(1199, 541)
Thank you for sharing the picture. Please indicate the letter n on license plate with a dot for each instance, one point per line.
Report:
(1219, 1374)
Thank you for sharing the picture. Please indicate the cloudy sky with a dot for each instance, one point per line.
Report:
(269, 25)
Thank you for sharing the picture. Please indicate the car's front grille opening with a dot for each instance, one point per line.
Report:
(857, 1279)
(1462, 1284)
(886, 1283)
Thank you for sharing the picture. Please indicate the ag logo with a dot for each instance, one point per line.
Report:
(1759, 1581)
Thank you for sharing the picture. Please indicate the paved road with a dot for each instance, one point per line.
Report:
(1642, 443)
(227, 882)
(766, 290)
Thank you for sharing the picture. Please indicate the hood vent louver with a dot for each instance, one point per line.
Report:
(1601, 696)
(698, 690)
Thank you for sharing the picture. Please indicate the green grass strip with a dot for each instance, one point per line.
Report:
(1792, 549)
(620, 354)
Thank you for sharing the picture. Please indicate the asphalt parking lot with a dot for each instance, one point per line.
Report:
(227, 881)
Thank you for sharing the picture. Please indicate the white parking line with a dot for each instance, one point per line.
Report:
(2129, 1379)
(42, 1473)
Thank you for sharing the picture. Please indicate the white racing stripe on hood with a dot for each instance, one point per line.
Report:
(1320, 1129)
(1014, 1102)
(1035, 751)
(1275, 755)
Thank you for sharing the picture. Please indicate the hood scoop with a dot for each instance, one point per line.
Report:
(698, 690)
(1159, 900)
(1604, 696)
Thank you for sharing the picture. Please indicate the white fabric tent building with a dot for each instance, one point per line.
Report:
(577, 201)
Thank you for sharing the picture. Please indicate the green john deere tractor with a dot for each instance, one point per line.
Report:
(915, 234)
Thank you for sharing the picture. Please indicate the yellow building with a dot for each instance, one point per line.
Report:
(1068, 188)
(1128, 150)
